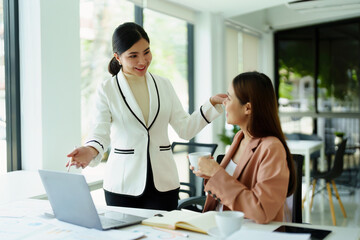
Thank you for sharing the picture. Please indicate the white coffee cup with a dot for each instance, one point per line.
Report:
(194, 158)
(229, 222)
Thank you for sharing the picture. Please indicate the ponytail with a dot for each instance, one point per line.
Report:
(114, 66)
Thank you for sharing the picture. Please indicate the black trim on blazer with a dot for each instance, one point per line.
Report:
(165, 148)
(202, 114)
(157, 92)
(96, 142)
(123, 96)
(124, 151)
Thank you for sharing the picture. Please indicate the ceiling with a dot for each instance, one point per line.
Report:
(276, 14)
(229, 8)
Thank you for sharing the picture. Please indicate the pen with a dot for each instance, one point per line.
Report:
(69, 163)
(172, 232)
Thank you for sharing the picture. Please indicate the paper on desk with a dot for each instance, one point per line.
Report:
(97, 234)
(32, 228)
(260, 235)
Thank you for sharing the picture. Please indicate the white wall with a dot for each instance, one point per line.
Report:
(232, 55)
(210, 76)
(50, 81)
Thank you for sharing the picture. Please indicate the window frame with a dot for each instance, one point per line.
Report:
(12, 84)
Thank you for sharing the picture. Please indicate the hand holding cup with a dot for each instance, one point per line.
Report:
(194, 158)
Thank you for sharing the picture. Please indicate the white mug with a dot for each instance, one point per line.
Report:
(229, 222)
(194, 157)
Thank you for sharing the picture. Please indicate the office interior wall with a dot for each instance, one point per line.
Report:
(209, 69)
(50, 81)
(209, 66)
(232, 55)
(250, 49)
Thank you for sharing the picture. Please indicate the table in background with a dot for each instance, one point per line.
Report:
(306, 148)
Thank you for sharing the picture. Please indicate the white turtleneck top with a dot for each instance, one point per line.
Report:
(139, 88)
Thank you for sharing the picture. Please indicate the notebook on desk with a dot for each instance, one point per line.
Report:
(71, 201)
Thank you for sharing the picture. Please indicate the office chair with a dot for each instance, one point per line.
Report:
(187, 147)
(294, 201)
(329, 176)
(196, 202)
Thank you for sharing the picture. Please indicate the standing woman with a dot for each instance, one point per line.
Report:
(257, 173)
(133, 110)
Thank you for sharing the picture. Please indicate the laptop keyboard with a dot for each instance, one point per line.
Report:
(108, 222)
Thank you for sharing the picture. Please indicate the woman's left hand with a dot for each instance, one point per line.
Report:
(218, 99)
(207, 167)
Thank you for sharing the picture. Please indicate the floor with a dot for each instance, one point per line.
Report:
(351, 204)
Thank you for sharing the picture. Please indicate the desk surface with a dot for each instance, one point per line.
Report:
(32, 207)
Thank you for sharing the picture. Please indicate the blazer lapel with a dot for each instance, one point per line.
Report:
(233, 147)
(253, 143)
(154, 99)
(129, 98)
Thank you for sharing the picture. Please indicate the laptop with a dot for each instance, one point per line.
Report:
(71, 201)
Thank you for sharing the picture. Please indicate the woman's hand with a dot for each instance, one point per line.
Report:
(207, 167)
(82, 156)
(218, 99)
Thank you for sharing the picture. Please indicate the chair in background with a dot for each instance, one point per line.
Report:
(188, 147)
(198, 201)
(329, 177)
(294, 201)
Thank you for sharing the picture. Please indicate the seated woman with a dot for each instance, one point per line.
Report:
(257, 173)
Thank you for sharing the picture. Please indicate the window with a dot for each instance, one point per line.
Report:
(168, 43)
(317, 80)
(10, 138)
(3, 165)
(169, 47)
(339, 72)
(98, 20)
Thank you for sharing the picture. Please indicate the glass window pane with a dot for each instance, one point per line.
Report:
(3, 161)
(98, 20)
(296, 71)
(303, 125)
(168, 44)
(339, 73)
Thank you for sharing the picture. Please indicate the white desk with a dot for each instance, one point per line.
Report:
(305, 147)
(33, 207)
(19, 185)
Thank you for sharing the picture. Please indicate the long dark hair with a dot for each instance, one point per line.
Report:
(256, 88)
(125, 35)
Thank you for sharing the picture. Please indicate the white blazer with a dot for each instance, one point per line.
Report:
(119, 122)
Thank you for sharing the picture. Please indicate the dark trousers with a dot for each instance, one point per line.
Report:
(150, 199)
